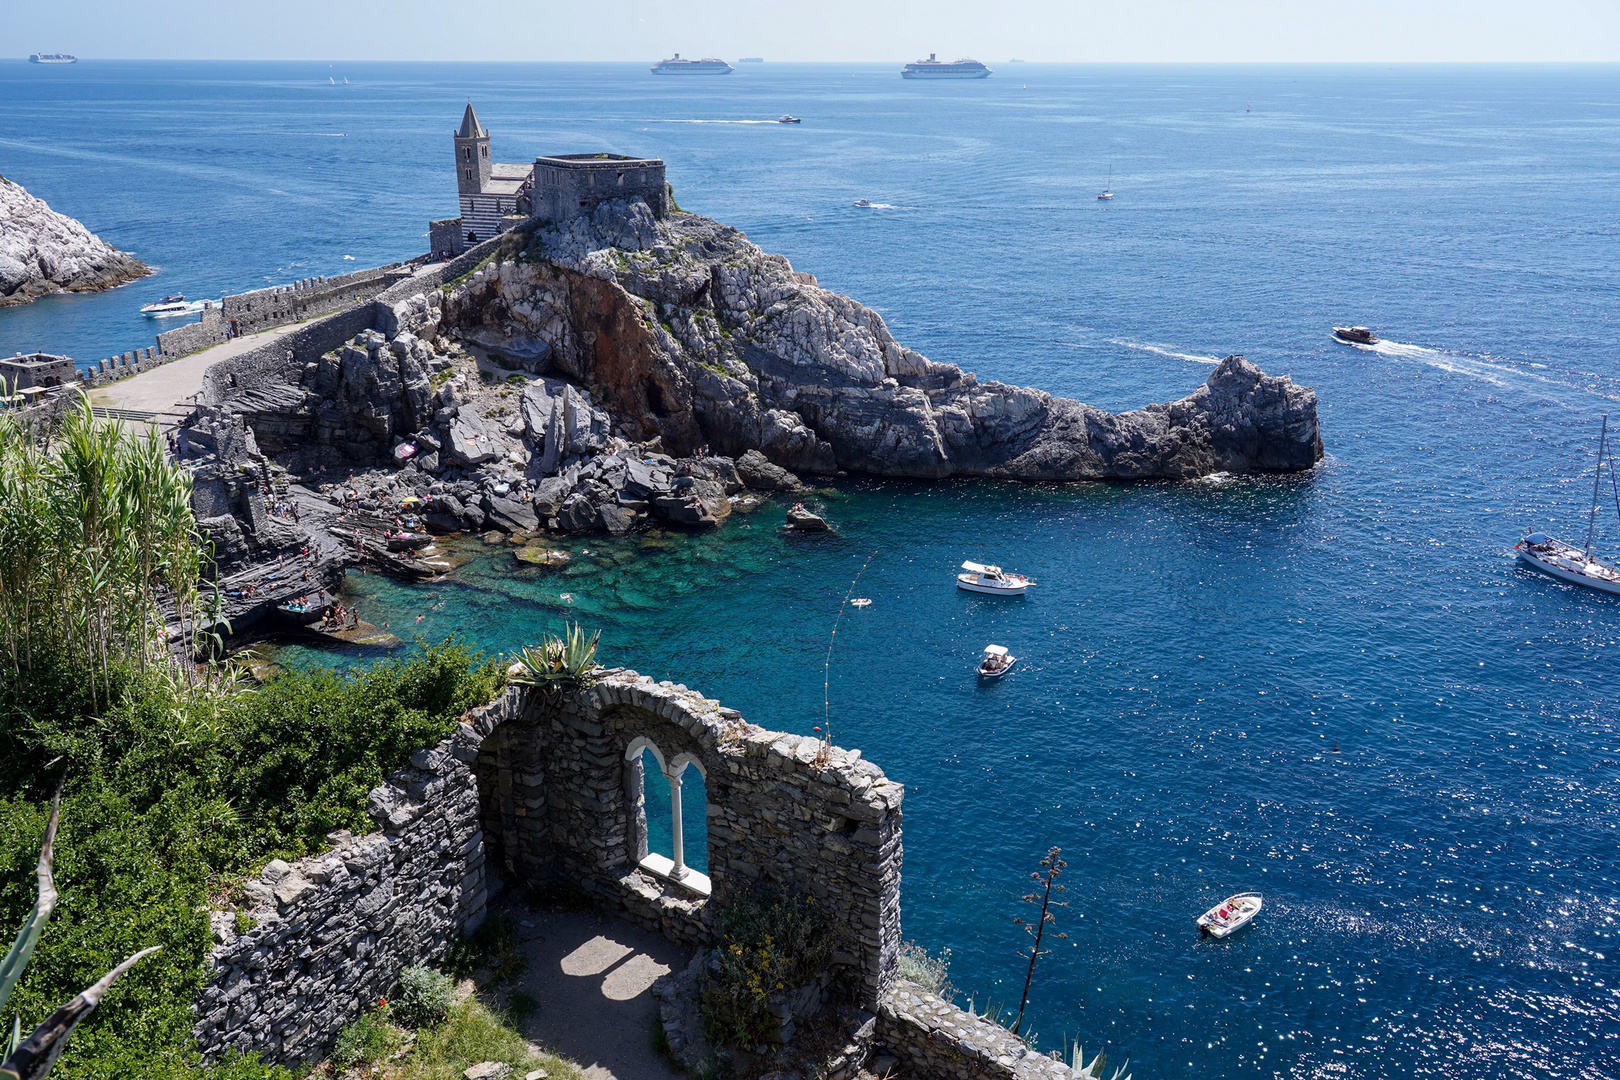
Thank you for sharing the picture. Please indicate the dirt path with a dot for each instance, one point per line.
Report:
(593, 976)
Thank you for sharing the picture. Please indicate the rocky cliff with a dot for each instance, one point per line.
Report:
(43, 252)
(684, 330)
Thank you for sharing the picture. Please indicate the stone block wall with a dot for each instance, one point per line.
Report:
(182, 340)
(931, 1037)
(330, 934)
(305, 299)
(562, 803)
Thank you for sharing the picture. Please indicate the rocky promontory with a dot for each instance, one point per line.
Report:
(43, 252)
(686, 331)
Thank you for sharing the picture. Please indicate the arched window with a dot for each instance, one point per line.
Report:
(668, 821)
(466, 153)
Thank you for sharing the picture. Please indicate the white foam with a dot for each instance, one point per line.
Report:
(1165, 351)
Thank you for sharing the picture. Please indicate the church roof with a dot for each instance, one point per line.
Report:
(470, 127)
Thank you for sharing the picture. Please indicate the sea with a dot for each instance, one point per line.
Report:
(1336, 688)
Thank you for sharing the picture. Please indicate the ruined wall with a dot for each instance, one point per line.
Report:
(930, 1037)
(538, 784)
(308, 298)
(208, 330)
(329, 934)
(784, 813)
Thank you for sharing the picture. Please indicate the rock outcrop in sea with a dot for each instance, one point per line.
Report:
(42, 251)
(686, 331)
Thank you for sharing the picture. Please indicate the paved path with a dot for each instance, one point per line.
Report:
(593, 976)
(174, 383)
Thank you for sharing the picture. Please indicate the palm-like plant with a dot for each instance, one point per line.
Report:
(32, 1058)
(559, 661)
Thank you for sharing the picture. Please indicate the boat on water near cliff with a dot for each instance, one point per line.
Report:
(53, 58)
(1354, 335)
(935, 68)
(677, 66)
(1566, 562)
(169, 305)
(992, 579)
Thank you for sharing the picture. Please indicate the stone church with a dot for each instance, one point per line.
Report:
(495, 196)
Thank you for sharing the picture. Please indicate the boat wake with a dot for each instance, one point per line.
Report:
(772, 122)
(881, 206)
(1161, 350)
(1489, 370)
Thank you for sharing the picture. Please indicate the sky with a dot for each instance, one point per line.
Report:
(1202, 31)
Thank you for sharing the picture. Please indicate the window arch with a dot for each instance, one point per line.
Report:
(678, 825)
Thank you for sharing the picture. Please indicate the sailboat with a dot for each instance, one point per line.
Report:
(1567, 562)
(1108, 192)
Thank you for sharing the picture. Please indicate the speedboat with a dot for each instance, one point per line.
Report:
(863, 202)
(169, 305)
(1566, 562)
(1354, 335)
(996, 662)
(787, 119)
(1230, 915)
(991, 579)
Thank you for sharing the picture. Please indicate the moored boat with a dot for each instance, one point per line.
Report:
(1355, 335)
(1230, 915)
(981, 578)
(1566, 562)
(996, 663)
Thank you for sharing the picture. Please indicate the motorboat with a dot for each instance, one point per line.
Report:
(1230, 915)
(169, 305)
(981, 578)
(787, 118)
(863, 202)
(996, 663)
(861, 601)
(1566, 562)
(1354, 335)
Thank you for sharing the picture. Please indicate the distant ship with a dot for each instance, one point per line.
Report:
(707, 66)
(53, 58)
(750, 60)
(935, 68)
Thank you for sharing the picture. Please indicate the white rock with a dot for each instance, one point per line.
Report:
(42, 252)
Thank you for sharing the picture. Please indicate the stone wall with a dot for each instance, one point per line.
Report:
(930, 1037)
(570, 185)
(563, 803)
(308, 298)
(330, 934)
(540, 785)
(208, 330)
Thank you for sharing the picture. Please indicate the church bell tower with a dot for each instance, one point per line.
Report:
(472, 155)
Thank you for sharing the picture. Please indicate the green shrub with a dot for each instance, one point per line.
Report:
(932, 973)
(767, 946)
(171, 793)
(371, 1038)
(424, 997)
(470, 1034)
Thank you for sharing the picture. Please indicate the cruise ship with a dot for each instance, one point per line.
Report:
(707, 66)
(53, 58)
(935, 68)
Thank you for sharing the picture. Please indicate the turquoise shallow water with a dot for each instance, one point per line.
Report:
(1335, 688)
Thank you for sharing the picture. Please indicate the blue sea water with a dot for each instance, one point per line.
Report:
(1335, 688)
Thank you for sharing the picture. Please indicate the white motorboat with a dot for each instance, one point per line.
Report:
(169, 305)
(864, 202)
(787, 118)
(1566, 562)
(1230, 915)
(996, 663)
(992, 579)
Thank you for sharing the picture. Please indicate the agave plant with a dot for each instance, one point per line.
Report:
(32, 1058)
(559, 661)
(1094, 1070)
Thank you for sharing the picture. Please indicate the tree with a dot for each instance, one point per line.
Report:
(1045, 885)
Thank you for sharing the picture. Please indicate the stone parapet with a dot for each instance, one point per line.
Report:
(931, 1037)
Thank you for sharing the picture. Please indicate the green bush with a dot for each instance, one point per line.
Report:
(171, 795)
(768, 946)
(371, 1038)
(424, 997)
(932, 973)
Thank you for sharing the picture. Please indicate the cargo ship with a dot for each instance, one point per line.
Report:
(707, 66)
(53, 58)
(935, 68)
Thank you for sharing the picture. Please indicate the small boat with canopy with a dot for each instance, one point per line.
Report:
(1566, 562)
(1230, 915)
(983, 578)
(996, 663)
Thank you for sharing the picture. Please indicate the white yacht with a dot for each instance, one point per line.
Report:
(1566, 562)
(170, 305)
(981, 578)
